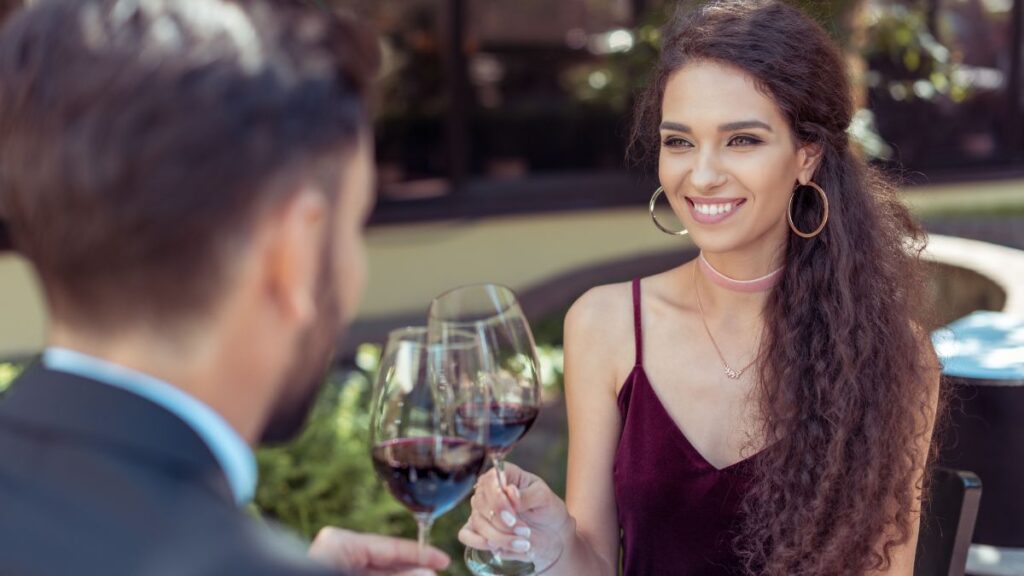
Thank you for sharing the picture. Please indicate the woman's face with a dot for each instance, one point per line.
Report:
(728, 160)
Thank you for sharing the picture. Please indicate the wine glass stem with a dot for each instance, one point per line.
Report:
(423, 524)
(498, 461)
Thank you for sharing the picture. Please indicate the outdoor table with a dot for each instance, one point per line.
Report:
(983, 365)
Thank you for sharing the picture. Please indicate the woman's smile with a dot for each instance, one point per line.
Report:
(713, 210)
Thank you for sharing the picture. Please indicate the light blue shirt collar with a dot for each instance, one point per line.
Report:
(231, 451)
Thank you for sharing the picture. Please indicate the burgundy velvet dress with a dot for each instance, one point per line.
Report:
(678, 513)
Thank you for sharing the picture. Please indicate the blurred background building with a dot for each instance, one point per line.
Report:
(514, 116)
(502, 128)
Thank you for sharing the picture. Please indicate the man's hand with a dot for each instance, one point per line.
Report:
(374, 555)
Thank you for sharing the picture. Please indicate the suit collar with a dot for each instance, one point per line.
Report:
(76, 409)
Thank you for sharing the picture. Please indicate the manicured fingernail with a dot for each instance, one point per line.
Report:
(523, 531)
(520, 545)
(508, 518)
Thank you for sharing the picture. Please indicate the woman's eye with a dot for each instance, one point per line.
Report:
(744, 141)
(675, 142)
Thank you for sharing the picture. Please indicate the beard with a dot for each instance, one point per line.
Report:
(312, 359)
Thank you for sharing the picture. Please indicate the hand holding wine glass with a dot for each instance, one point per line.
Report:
(539, 514)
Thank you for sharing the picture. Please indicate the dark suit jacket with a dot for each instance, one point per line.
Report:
(97, 481)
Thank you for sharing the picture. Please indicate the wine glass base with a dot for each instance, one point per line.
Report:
(483, 563)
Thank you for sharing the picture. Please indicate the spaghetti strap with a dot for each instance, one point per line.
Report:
(676, 511)
(637, 324)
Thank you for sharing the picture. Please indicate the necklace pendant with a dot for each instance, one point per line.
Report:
(732, 374)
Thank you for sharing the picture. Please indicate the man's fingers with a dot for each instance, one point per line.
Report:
(402, 572)
(354, 551)
(385, 552)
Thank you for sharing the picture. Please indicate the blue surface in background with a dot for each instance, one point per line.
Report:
(983, 345)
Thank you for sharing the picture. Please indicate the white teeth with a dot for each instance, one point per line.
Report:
(714, 209)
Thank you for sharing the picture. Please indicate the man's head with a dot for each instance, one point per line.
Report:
(187, 167)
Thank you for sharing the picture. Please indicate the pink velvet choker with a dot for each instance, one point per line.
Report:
(761, 284)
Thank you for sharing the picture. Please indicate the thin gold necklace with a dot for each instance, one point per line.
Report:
(730, 373)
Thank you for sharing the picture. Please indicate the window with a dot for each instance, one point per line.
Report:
(550, 84)
(414, 95)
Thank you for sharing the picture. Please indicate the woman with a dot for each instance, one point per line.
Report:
(766, 408)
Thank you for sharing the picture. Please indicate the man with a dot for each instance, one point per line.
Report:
(189, 178)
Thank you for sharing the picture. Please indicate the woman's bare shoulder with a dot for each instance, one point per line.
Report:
(600, 310)
(600, 325)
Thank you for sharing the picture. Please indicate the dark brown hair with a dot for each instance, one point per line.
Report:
(845, 386)
(139, 139)
(7, 7)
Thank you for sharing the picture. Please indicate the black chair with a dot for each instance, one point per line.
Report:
(947, 526)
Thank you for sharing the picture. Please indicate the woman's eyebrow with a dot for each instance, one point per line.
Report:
(730, 127)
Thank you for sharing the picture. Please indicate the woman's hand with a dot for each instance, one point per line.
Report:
(526, 521)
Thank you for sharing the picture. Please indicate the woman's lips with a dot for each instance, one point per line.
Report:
(713, 211)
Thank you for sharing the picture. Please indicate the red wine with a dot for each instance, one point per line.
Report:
(429, 475)
(507, 424)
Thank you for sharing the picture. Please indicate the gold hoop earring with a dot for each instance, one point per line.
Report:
(654, 218)
(789, 212)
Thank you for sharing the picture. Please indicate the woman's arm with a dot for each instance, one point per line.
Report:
(591, 348)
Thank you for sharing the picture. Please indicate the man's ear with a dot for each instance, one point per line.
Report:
(809, 158)
(296, 236)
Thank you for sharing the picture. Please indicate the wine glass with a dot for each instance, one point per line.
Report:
(512, 373)
(429, 421)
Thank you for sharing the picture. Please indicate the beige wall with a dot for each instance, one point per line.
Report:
(22, 312)
(409, 264)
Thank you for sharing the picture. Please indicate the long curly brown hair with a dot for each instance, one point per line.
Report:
(846, 378)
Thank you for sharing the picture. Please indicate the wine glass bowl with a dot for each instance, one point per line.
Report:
(509, 361)
(429, 422)
(428, 475)
(511, 374)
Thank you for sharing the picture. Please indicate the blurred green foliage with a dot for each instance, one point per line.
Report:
(613, 81)
(8, 372)
(907, 61)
